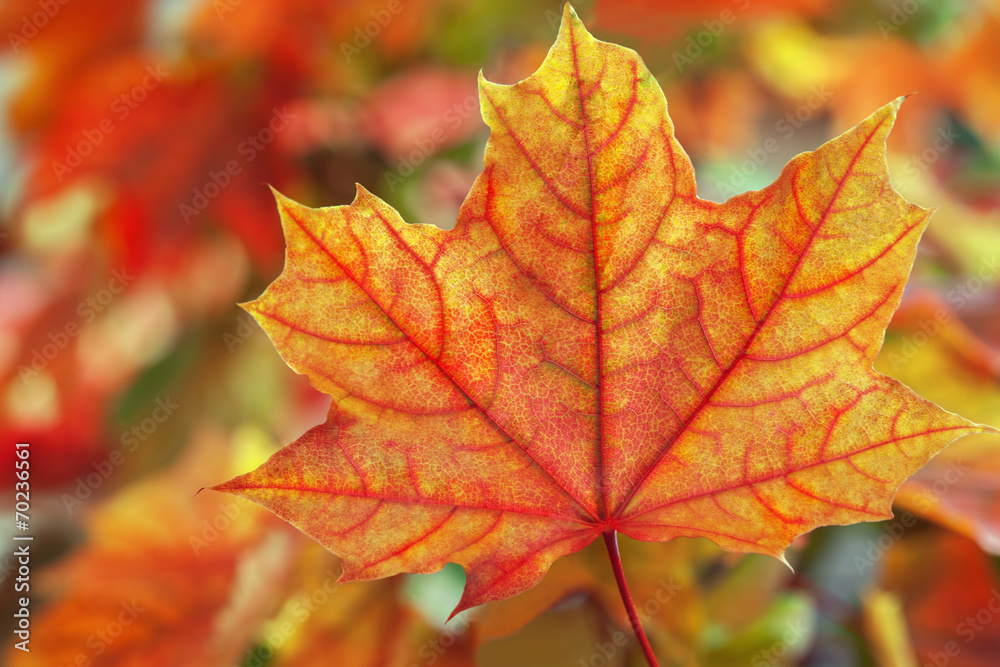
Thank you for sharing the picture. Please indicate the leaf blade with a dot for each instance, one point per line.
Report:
(593, 348)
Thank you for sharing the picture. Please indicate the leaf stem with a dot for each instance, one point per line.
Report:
(611, 542)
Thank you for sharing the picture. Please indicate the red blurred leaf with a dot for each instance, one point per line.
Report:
(951, 598)
(423, 110)
(61, 40)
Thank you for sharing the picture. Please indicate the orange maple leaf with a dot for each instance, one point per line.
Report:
(594, 349)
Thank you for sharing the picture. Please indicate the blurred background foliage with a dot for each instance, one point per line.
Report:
(137, 141)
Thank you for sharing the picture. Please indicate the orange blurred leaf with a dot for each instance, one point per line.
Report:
(653, 19)
(162, 579)
(370, 623)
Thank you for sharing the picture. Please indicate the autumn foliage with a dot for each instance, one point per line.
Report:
(528, 339)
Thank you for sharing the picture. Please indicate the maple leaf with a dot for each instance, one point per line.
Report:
(595, 350)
